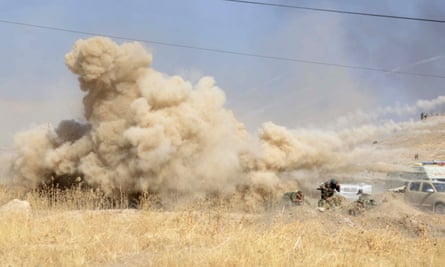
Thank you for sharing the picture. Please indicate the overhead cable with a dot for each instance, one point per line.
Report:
(223, 51)
(337, 11)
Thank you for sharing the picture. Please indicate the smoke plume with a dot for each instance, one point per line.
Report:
(144, 131)
(147, 131)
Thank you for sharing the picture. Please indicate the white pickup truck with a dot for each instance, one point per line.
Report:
(349, 191)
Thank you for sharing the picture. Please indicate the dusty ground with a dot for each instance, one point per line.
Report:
(391, 212)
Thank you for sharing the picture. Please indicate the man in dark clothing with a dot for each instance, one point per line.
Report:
(327, 192)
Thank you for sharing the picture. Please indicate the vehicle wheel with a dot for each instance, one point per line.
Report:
(440, 208)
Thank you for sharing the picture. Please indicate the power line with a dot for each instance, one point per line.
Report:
(337, 11)
(223, 51)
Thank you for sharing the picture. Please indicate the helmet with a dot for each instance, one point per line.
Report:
(333, 181)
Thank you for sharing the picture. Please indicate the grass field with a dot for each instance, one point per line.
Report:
(72, 229)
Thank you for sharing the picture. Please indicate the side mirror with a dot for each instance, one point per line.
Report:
(430, 190)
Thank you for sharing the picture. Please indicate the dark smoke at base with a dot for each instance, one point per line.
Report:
(145, 131)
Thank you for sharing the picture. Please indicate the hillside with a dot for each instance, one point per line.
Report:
(425, 138)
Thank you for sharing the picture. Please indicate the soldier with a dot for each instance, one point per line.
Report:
(363, 202)
(295, 198)
(327, 194)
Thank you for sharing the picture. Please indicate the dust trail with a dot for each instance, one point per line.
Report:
(429, 105)
(145, 130)
(375, 117)
(418, 62)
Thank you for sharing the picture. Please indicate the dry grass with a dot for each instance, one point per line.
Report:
(70, 229)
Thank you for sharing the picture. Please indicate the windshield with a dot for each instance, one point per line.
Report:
(440, 187)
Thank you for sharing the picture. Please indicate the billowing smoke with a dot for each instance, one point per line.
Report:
(146, 131)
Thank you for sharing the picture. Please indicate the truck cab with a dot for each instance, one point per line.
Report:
(426, 194)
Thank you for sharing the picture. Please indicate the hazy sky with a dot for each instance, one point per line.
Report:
(36, 87)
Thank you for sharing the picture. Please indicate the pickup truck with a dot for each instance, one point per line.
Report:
(426, 194)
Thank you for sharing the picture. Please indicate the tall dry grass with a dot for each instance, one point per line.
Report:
(71, 229)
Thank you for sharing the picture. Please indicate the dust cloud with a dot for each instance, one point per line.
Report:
(147, 131)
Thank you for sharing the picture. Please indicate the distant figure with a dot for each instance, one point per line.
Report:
(416, 156)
